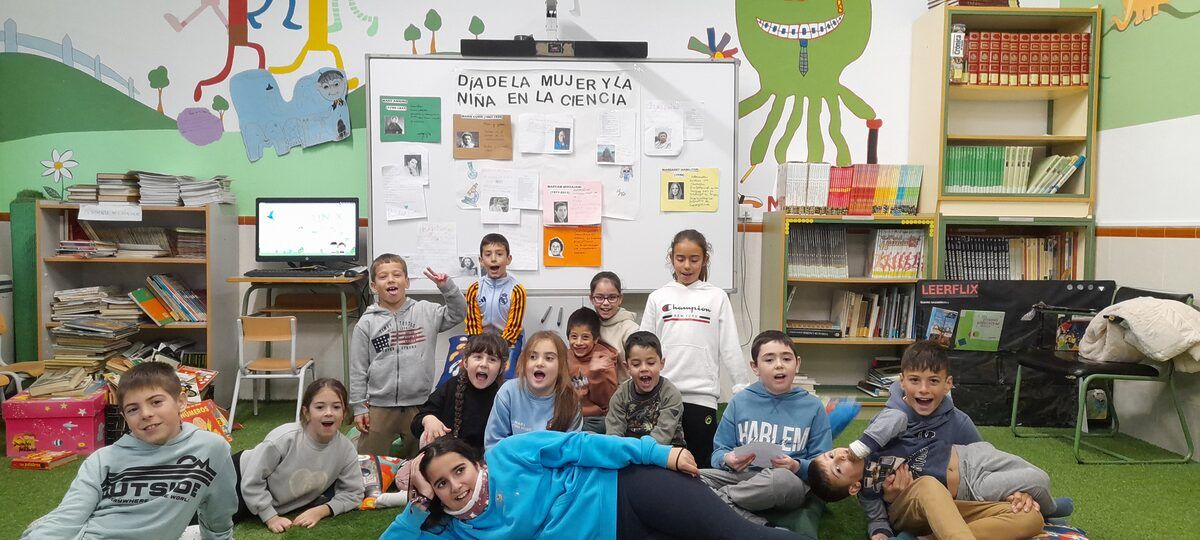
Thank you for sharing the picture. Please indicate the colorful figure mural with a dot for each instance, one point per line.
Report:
(318, 40)
(1139, 11)
(239, 36)
(316, 114)
(800, 50)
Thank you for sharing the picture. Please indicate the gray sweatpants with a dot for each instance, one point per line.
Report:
(987, 474)
(756, 491)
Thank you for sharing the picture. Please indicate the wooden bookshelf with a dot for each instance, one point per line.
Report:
(852, 341)
(206, 276)
(857, 280)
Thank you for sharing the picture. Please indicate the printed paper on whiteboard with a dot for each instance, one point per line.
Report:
(622, 192)
(691, 111)
(403, 199)
(497, 194)
(663, 134)
(408, 162)
(546, 133)
(617, 142)
(571, 203)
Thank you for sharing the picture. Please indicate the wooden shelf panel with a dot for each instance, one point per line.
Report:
(126, 260)
(145, 208)
(1026, 140)
(865, 280)
(852, 341)
(1014, 197)
(152, 326)
(964, 92)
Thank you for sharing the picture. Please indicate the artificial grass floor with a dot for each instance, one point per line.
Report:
(1112, 502)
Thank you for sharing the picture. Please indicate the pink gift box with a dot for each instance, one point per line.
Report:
(65, 423)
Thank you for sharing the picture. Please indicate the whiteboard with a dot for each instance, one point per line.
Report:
(635, 249)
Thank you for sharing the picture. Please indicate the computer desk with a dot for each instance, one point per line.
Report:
(307, 303)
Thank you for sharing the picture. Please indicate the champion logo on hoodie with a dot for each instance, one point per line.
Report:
(180, 482)
(678, 313)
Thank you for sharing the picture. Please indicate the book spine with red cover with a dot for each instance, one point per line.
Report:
(1086, 75)
(972, 57)
(1055, 59)
(1023, 41)
(1044, 61)
(985, 57)
(995, 45)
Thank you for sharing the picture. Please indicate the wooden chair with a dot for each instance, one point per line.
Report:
(1084, 372)
(266, 330)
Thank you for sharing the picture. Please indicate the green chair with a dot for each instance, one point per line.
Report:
(1084, 372)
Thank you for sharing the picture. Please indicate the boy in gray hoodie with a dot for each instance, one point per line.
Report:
(392, 368)
(154, 479)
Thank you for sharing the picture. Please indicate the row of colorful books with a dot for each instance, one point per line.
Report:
(1012, 257)
(865, 189)
(885, 313)
(86, 239)
(166, 299)
(1007, 169)
(996, 58)
(817, 251)
(821, 251)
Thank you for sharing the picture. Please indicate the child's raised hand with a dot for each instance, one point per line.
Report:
(681, 460)
(363, 421)
(417, 485)
(736, 463)
(278, 524)
(785, 462)
(435, 277)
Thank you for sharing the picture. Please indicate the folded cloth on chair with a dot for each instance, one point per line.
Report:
(1162, 330)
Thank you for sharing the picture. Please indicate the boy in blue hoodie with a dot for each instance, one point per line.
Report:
(154, 479)
(770, 411)
(921, 433)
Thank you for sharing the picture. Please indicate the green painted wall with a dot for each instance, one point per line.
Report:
(1149, 72)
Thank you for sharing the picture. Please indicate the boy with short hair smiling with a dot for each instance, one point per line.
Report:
(495, 303)
(922, 431)
(770, 410)
(646, 403)
(152, 481)
(392, 367)
(592, 365)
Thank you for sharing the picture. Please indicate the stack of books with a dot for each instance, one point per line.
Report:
(120, 308)
(86, 249)
(803, 328)
(897, 253)
(116, 188)
(189, 243)
(817, 251)
(884, 313)
(884, 371)
(973, 3)
(159, 189)
(1007, 169)
(82, 193)
(195, 381)
(89, 342)
(201, 192)
(54, 383)
(821, 189)
(182, 303)
(80, 303)
(1045, 257)
(1027, 59)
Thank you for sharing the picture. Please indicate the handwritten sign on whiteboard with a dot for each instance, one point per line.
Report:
(110, 212)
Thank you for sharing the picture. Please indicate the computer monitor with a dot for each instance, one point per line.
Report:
(306, 230)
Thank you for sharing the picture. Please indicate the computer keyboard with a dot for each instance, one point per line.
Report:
(294, 272)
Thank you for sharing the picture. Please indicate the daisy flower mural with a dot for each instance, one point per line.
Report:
(59, 165)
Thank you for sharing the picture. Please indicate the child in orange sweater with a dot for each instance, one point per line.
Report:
(592, 365)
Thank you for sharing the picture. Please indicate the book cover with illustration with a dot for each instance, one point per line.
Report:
(1070, 332)
(44, 460)
(205, 415)
(941, 326)
(979, 330)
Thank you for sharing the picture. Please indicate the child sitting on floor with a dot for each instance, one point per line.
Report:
(647, 403)
(298, 463)
(153, 480)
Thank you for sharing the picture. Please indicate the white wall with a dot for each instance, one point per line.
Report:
(1167, 264)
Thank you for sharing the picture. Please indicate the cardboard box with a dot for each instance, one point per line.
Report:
(72, 423)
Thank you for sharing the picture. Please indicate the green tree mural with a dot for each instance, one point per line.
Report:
(220, 105)
(412, 34)
(158, 81)
(476, 26)
(433, 22)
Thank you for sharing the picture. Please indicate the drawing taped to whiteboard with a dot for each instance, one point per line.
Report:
(622, 193)
(662, 140)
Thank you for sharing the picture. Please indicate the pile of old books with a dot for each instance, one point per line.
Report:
(82, 193)
(86, 249)
(201, 192)
(82, 302)
(69, 382)
(159, 189)
(88, 342)
(116, 188)
(190, 243)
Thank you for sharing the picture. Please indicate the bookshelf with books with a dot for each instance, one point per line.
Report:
(1016, 248)
(179, 256)
(1011, 97)
(842, 287)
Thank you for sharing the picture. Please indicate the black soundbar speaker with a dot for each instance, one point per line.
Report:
(569, 49)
